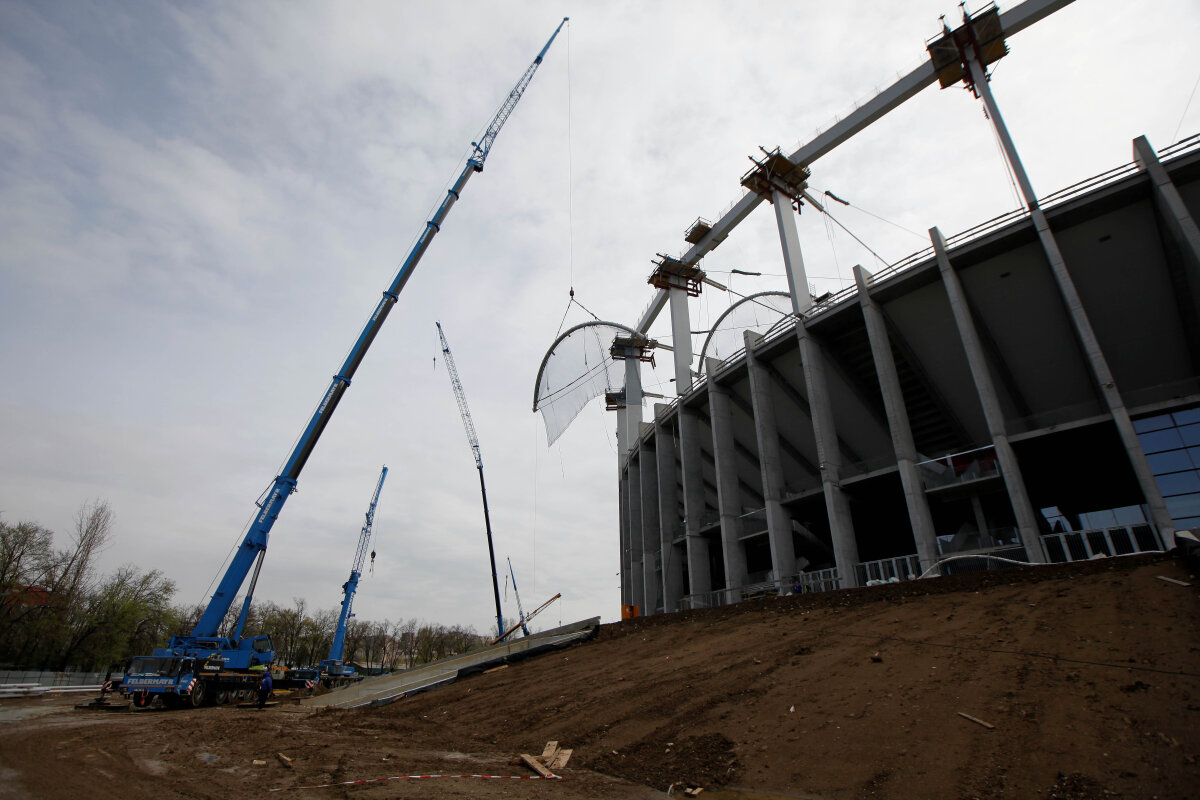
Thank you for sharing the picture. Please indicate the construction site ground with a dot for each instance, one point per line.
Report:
(1076, 681)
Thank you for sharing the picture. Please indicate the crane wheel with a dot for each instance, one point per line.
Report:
(222, 696)
(199, 694)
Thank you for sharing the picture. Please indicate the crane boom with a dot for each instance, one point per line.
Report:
(473, 439)
(520, 610)
(333, 664)
(254, 545)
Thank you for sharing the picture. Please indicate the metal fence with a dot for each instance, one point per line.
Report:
(888, 570)
(824, 580)
(48, 678)
(1081, 545)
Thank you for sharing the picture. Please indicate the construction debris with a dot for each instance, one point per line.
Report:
(553, 757)
(1172, 580)
(287, 762)
(977, 721)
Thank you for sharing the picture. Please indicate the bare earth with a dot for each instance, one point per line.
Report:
(1088, 673)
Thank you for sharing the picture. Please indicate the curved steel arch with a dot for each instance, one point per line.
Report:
(728, 311)
(541, 368)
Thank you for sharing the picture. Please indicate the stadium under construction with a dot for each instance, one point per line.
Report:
(1027, 390)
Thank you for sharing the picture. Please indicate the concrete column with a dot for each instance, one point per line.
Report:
(668, 510)
(986, 391)
(919, 516)
(681, 337)
(779, 522)
(793, 259)
(637, 580)
(841, 526)
(699, 572)
(651, 530)
(729, 493)
(1079, 319)
(631, 415)
(1182, 246)
(626, 586)
(829, 458)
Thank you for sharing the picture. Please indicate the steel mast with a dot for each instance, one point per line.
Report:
(473, 439)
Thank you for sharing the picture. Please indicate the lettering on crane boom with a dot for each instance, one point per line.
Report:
(267, 506)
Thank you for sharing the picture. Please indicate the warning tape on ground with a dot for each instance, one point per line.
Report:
(415, 777)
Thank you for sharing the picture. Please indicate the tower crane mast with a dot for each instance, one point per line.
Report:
(333, 666)
(473, 440)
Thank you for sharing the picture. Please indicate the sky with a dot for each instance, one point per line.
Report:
(201, 202)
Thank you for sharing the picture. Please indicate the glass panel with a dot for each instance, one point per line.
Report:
(1158, 441)
(1170, 461)
(1187, 417)
(1187, 505)
(1129, 515)
(1188, 524)
(1179, 483)
(1098, 519)
(1145, 538)
(1190, 434)
(1054, 550)
(1152, 423)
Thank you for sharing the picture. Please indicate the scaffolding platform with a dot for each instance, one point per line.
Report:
(671, 273)
(982, 31)
(776, 172)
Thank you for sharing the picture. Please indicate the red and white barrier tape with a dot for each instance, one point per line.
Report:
(415, 777)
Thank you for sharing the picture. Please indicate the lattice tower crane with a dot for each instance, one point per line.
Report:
(473, 439)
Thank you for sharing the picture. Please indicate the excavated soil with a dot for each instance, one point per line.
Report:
(1087, 677)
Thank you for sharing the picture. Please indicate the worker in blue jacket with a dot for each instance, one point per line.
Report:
(264, 688)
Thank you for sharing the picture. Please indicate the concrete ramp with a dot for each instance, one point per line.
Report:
(384, 689)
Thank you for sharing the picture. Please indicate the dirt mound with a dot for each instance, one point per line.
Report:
(1080, 681)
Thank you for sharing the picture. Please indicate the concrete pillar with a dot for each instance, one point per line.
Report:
(729, 493)
(631, 415)
(651, 530)
(841, 526)
(1079, 319)
(681, 337)
(637, 580)
(919, 516)
(992, 413)
(699, 572)
(668, 510)
(626, 586)
(829, 458)
(793, 259)
(779, 522)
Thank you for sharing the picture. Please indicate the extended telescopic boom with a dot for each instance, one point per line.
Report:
(254, 545)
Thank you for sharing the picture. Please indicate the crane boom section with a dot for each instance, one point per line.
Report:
(484, 145)
(284, 484)
(351, 586)
(461, 397)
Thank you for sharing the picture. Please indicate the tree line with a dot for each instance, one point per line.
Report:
(57, 612)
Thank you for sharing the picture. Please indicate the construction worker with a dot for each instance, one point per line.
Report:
(264, 688)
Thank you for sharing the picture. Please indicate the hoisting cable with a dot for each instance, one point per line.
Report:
(825, 211)
(834, 197)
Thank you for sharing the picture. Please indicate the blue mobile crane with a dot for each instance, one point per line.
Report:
(333, 670)
(205, 666)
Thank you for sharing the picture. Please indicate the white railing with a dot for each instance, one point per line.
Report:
(1122, 540)
(888, 570)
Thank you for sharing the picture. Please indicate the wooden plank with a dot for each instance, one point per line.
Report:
(561, 758)
(548, 751)
(977, 721)
(495, 669)
(1172, 580)
(287, 762)
(536, 766)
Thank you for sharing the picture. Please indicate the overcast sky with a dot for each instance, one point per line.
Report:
(201, 202)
